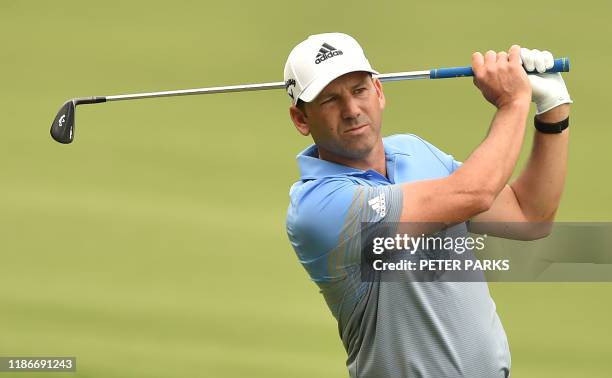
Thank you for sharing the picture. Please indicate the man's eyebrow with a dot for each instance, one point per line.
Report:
(360, 83)
(323, 95)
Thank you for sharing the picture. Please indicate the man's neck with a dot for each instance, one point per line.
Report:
(375, 160)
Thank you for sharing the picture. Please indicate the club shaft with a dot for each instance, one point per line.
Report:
(560, 65)
(252, 87)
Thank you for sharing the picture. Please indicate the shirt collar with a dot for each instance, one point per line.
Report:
(312, 168)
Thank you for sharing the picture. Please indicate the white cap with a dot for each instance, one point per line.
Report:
(320, 59)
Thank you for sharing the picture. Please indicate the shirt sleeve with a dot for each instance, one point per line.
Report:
(324, 223)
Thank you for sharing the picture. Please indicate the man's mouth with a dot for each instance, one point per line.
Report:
(356, 129)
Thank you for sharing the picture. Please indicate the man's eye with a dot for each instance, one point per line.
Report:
(327, 100)
(360, 90)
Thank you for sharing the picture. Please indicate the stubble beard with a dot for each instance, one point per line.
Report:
(355, 148)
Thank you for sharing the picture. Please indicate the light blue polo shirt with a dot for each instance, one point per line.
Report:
(331, 197)
(389, 329)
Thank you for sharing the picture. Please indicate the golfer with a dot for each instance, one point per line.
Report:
(351, 174)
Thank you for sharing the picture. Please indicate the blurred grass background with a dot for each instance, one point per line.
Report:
(154, 246)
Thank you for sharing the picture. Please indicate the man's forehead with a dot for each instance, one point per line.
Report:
(349, 79)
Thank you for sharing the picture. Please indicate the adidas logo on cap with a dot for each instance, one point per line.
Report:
(326, 52)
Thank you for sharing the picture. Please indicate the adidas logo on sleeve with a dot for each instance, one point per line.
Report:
(379, 205)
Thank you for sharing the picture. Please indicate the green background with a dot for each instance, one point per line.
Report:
(154, 245)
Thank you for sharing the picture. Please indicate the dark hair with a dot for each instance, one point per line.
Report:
(301, 105)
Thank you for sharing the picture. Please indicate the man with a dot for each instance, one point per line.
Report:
(353, 175)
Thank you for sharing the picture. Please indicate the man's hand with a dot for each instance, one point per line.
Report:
(501, 77)
(548, 90)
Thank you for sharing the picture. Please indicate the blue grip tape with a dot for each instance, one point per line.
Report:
(445, 73)
(560, 65)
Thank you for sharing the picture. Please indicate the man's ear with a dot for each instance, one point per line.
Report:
(299, 120)
(379, 92)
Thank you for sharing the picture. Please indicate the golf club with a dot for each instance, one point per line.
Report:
(62, 128)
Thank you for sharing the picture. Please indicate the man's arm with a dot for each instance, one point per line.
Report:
(540, 186)
(535, 195)
(473, 187)
(528, 206)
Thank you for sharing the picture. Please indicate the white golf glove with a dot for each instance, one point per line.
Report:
(548, 90)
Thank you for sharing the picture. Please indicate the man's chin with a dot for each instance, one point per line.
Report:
(357, 152)
(355, 149)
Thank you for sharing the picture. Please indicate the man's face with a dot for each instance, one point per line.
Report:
(345, 118)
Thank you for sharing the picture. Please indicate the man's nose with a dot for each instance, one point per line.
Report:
(350, 108)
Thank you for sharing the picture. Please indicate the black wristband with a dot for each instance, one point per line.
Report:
(551, 128)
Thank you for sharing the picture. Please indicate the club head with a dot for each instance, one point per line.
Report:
(62, 128)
